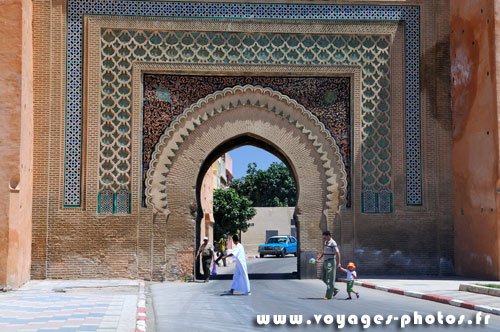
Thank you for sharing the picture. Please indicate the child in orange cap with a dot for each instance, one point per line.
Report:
(351, 275)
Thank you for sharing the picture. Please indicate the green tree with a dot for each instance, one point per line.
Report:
(231, 212)
(274, 186)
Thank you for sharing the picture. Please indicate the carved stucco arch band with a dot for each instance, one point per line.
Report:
(250, 99)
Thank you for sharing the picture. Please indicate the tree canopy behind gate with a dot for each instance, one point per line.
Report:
(231, 212)
(272, 187)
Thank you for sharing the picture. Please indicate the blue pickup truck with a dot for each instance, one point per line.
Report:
(279, 246)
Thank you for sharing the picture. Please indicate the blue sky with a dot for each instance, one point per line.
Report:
(244, 155)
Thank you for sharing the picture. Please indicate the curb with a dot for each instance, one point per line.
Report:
(141, 308)
(480, 289)
(430, 297)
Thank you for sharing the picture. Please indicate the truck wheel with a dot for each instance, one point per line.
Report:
(261, 255)
(295, 254)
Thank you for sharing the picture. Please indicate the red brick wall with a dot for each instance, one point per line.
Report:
(475, 136)
(16, 136)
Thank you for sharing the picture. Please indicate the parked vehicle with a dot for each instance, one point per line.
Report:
(280, 246)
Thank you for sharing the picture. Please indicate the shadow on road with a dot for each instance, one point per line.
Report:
(258, 276)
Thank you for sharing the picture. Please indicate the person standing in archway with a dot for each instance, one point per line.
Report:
(330, 253)
(221, 250)
(207, 254)
(241, 282)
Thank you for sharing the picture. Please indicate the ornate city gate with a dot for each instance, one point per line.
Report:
(142, 94)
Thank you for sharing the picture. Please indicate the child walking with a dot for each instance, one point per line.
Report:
(351, 275)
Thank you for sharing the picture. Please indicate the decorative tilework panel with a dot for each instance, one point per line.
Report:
(376, 202)
(385, 201)
(328, 98)
(122, 202)
(369, 201)
(122, 47)
(78, 8)
(106, 202)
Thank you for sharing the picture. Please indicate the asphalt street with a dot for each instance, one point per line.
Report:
(267, 266)
(204, 306)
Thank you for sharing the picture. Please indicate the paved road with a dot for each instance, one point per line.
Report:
(267, 265)
(204, 307)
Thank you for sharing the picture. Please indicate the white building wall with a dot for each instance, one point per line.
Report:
(267, 218)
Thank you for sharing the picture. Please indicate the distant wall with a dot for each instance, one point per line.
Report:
(207, 204)
(229, 164)
(267, 218)
(474, 41)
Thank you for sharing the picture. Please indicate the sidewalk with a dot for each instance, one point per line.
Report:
(67, 306)
(443, 290)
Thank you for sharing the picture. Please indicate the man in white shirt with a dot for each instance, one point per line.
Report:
(241, 282)
(330, 253)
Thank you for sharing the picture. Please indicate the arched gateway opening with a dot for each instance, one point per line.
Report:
(233, 117)
(269, 271)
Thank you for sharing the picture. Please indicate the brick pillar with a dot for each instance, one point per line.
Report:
(474, 42)
(16, 137)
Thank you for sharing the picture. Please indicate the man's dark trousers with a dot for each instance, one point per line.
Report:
(206, 260)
